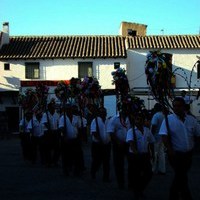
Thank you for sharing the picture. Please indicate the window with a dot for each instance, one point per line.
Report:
(84, 69)
(6, 66)
(116, 65)
(32, 70)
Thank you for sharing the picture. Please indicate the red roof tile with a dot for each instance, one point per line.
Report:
(43, 47)
(33, 47)
(163, 42)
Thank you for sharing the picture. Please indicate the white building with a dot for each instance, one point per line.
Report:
(64, 57)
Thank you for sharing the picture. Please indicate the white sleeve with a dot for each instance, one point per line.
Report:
(61, 122)
(44, 118)
(21, 123)
(129, 136)
(154, 120)
(93, 126)
(29, 126)
(84, 122)
(111, 125)
(163, 128)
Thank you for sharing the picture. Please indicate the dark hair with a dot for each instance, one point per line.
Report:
(179, 99)
(102, 110)
(157, 107)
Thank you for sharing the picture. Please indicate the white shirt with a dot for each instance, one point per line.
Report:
(142, 139)
(181, 133)
(84, 121)
(102, 130)
(118, 128)
(53, 120)
(157, 120)
(36, 126)
(71, 127)
(23, 126)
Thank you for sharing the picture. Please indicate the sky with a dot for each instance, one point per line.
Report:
(89, 17)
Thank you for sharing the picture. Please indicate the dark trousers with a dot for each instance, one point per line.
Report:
(71, 153)
(52, 147)
(101, 156)
(119, 156)
(140, 171)
(26, 145)
(37, 148)
(181, 163)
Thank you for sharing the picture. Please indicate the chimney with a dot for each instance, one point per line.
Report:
(6, 27)
(4, 39)
(132, 29)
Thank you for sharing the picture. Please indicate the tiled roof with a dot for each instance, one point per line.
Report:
(164, 42)
(36, 47)
(49, 47)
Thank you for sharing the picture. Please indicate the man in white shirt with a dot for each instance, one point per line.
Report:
(101, 145)
(69, 125)
(178, 134)
(117, 128)
(37, 137)
(50, 119)
(156, 121)
(140, 140)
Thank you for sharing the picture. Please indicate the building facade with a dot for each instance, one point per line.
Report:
(64, 57)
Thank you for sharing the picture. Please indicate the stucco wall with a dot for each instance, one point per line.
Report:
(184, 59)
(58, 70)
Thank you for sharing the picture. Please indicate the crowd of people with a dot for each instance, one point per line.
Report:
(52, 137)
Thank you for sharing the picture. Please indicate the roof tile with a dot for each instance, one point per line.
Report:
(41, 47)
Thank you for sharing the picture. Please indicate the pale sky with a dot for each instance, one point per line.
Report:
(89, 17)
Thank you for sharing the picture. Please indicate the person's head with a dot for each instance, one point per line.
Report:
(51, 107)
(102, 112)
(75, 110)
(139, 119)
(68, 109)
(158, 107)
(38, 114)
(183, 93)
(179, 106)
(28, 116)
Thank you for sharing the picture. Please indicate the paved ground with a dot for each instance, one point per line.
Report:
(21, 181)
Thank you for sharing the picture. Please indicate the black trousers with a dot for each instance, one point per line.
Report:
(26, 145)
(37, 149)
(52, 147)
(101, 156)
(181, 163)
(119, 156)
(140, 171)
(71, 156)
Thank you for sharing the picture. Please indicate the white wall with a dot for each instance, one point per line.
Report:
(58, 69)
(10, 79)
(184, 59)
